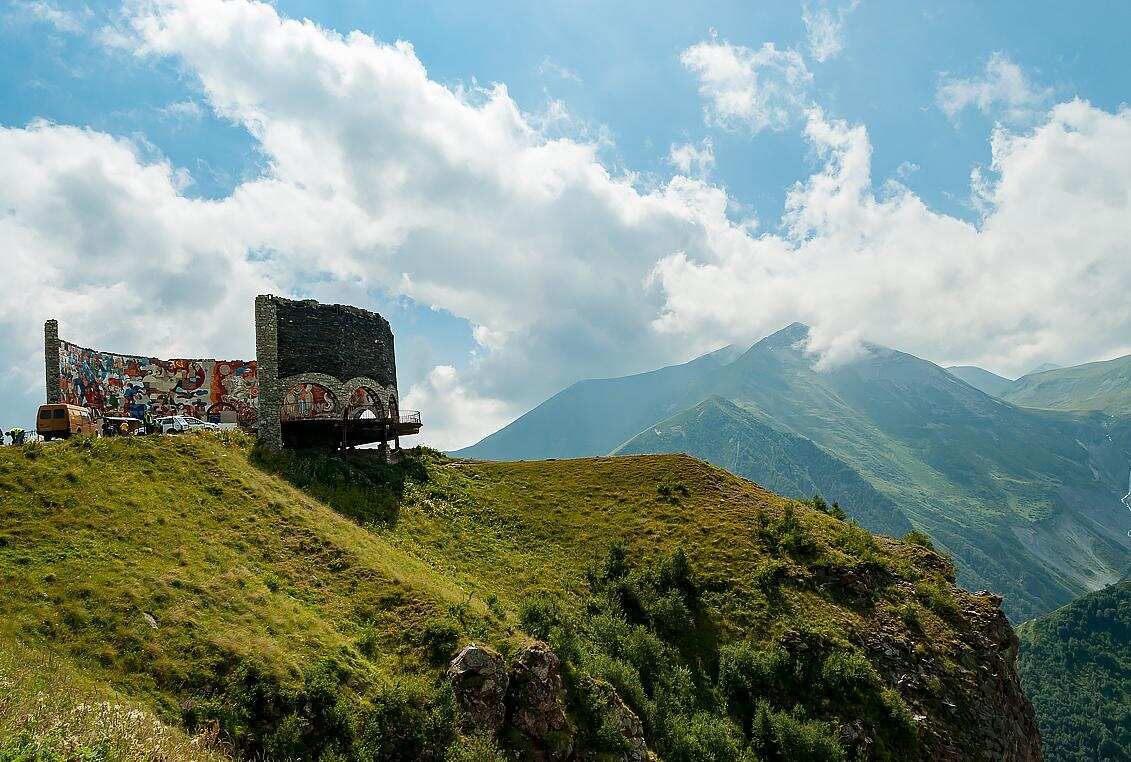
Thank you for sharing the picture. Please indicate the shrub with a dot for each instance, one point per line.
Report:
(790, 736)
(439, 637)
(539, 614)
(915, 537)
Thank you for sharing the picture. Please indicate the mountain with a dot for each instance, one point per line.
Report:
(1103, 386)
(981, 379)
(1076, 667)
(1027, 501)
(198, 598)
(728, 436)
(1043, 368)
(593, 417)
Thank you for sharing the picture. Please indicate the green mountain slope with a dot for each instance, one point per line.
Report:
(304, 606)
(1026, 500)
(1076, 666)
(1103, 386)
(725, 434)
(981, 379)
(592, 417)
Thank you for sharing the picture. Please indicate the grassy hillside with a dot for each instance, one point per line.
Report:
(1103, 386)
(1023, 499)
(1076, 666)
(981, 379)
(726, 435)
(305, 606)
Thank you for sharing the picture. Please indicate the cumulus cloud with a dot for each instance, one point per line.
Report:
(693, 160)
(1044, 273)
(1002, 89)
(102, 239)
(379, 178)
(757, 90)
(456, 414)
(824, 27)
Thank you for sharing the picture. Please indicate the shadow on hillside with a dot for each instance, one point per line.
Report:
(359, 485)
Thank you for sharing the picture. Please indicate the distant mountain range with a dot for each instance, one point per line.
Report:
(981, 379)
(1026, 500)
(1103, 386)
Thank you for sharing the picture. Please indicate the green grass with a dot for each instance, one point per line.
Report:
(50, 710)
(1009, 492)
(299, 605)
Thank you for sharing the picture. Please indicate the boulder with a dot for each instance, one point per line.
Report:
(537, 703)
(479, 679)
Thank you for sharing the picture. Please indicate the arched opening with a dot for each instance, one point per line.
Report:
(304, 402)
(365, 404)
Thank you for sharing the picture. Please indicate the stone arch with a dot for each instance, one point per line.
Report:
(379, 393)
(309, 396)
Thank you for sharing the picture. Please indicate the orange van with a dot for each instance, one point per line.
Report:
(62, 421)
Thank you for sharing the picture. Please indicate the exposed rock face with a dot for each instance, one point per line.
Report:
(536, 701)
(981, 705)
(624, 719)
(479, 679)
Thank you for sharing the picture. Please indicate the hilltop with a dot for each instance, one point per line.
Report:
(1075, 663)
(306, 606)
(726, 435)
(981, 379)
(1102, 386)
(1026, 501)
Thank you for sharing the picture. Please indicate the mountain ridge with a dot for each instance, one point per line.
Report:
(1023, 498)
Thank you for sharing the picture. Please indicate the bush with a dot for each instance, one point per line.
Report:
(439, 637)
(915, 537)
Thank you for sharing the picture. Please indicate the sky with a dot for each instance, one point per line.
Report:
(534, 194)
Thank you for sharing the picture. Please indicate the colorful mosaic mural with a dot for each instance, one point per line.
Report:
(217, 390)
(309, 401)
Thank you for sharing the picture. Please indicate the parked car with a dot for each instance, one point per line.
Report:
(61, 421)
(121, 426)
(176, 424)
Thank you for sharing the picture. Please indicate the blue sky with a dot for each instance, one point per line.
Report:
(619, 81)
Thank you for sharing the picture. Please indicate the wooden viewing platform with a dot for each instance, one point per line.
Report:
(305, 426)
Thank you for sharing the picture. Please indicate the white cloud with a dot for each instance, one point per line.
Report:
(380, 178)
(72, 21)
(455, 415)
(693, 160)
(549, 66)
(104, 241)
(1044, 273)
(1001, 89)
(189, 111)
(824, 28)
(756, 89)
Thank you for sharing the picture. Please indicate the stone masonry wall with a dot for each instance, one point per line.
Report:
(51, 355)
(337, 347)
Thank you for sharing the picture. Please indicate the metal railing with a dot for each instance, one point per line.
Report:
(308, 412)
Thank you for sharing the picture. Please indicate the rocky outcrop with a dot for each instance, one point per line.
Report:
(479, 679)
(529, 702)
(970, 700)
(623, 719)
(536, 703)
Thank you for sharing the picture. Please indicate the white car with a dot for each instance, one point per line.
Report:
(176, 424)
